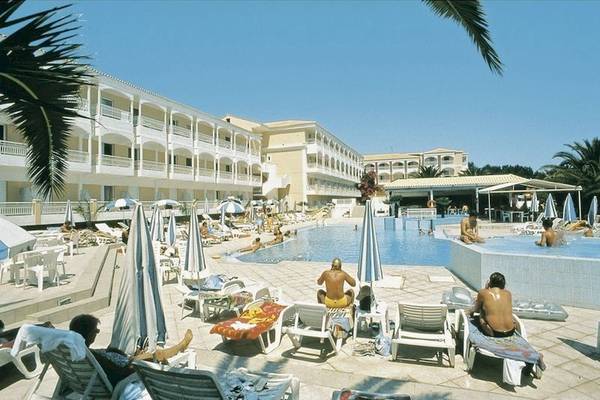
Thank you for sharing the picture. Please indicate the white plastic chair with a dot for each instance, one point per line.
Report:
(310, 320)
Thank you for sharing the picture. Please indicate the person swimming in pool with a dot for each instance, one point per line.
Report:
(549, 237)
(334, 279)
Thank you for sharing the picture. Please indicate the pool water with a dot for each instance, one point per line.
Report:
(576, 246)
(325, 243)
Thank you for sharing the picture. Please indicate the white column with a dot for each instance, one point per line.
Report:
(89, 100)
(131, 110)
(139, 113)
(79, 188)
(233, 140)
(99, 112)
(100, 150)
(216, 170)
(172, 159)
(193, 164)
(141, 156)
(215, 134)
(170, 121)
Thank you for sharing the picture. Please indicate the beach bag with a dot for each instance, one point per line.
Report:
(383, 345)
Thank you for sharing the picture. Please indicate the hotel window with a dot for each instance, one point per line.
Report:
(228, 168)
(188, 162)
(108, 193)
(106, 102)
(107, 149)
(2, 132)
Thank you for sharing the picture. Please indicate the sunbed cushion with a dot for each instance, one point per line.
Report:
(251, 324)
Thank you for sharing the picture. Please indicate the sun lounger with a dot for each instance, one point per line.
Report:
(514, 348)
(166, 383)
(262, 320)
(310, 320)
(423, 325)
(457, 298)
(6, 358)
(199, 296)
(115, 233)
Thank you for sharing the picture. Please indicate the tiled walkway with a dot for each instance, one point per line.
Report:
(573, 367)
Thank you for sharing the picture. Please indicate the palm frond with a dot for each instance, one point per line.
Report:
(40, 75)
(429, 172)
(470, 14)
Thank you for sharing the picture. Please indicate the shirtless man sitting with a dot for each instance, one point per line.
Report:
(549, 237)
(494, 305)
(334, 279)
(469, 233)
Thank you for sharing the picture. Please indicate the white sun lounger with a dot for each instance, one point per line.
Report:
(7, 358)
(423, 325)
(167, 383)
(310, 320)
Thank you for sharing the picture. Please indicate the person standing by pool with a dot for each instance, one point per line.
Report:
(334, 279)
(469, 232)
(549, 237)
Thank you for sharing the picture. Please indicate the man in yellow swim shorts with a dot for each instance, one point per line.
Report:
(334, 278)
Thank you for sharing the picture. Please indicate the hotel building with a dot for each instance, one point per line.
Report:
(141, 145)
(304, 163)
(393, 166)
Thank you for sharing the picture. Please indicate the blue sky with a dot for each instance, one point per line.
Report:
(382, 76)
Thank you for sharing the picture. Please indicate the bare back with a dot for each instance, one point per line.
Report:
(334, 283)
(495, 305)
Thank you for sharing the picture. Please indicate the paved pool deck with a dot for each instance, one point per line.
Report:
(569, 347)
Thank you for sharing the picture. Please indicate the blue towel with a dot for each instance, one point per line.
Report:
(514, 347)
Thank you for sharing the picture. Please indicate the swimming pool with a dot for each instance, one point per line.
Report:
(576, 246)
(395, 246)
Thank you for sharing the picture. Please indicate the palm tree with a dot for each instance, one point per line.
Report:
(40, 76)
(469, 14)
(580, 166)
(429, 172)
(471, 170)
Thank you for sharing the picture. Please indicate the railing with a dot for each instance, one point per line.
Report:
(114, 161)
(256, 180)
(225, 175)
(150, 165)
(224, 143)
(54, 208)
(240, 148)
(83, 104)
(181, 169)
(16, 208)
(205, 138)
(180, 131)
(116, 113)
(242, 177)
(13, 148)
(78, 156)
(152, 123)
(421, 213)
(206, 172)
(254, 152)
(310, 140)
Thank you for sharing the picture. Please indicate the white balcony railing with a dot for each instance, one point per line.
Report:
(150, 165)
(205, 138)
(225, 175)
(13, 148)
(83, 105)
(16, 208)
(78, 156)
(115, 113)
(242, 177)
(224, 143)
(181, 169)
(206, 172)
(181, 131)
(256, 180)
(240, 148)
(152, 123)
(54, 208)
(114, 161)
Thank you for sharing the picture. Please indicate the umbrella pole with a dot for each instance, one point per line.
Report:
(579, 201)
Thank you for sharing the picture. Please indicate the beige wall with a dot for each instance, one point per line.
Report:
(284, 139)
(17, 191)
(122, 103)
(148, 111)
(146, 194)
(291, 163)
(13, 135)
(93, 191)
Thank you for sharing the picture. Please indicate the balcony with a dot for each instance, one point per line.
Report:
(224, 144)
(12, 153)
(225, 177)
(181, 131)
(242, 179)
(256, 180)
(181, 172)
(78, 160)
(150, 169)
(240, 149)
(150, 127)
(114, 165)
(205, 175)
(115, 118)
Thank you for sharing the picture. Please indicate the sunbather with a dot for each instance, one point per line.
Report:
(256, 244)
(278, 237)
(549, 237)
(115, 363)
(205, 232)
(494, 305)
(469, 232)
(334, 279)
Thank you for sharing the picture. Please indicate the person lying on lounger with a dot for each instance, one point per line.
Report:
(205, 232)
(469, 232)
(494, 305)
(115, 363)
(256, 244)
(334, 279)
(549, 237)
